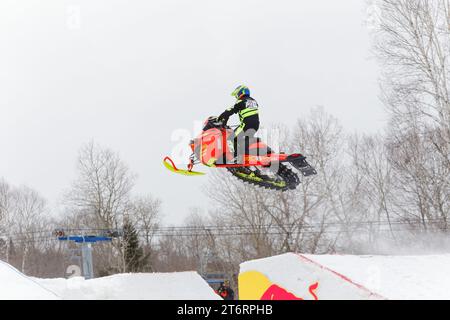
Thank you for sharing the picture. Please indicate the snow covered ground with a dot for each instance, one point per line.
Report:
(136, 286)
(292, 276)
(395, 277)
(288, 276)
(14, 285)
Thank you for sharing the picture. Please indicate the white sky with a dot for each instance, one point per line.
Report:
(128, 73)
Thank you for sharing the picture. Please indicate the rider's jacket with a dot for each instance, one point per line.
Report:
(248, 110)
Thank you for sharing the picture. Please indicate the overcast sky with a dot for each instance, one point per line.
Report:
(126, 74)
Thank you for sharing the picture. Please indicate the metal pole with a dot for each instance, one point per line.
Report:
(86, 252)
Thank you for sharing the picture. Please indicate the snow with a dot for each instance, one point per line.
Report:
(357, 277)
(15, 285)
(135, 286)
(425, 277)
(297, 275)
(338, 277)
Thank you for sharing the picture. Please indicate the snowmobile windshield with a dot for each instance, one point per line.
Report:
(210, 123)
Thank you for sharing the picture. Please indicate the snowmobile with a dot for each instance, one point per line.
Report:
(214, 147)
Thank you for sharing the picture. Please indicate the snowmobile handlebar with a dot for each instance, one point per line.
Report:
(214, 122)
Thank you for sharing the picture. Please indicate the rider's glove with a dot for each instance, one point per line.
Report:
(219, 123)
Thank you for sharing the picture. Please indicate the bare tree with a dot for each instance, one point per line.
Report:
(319, 136)
(101, 195)
(373, 172)
(5, 203)
(27, 220)
(146, 216)
(103, 186)
(413, 44)
(236, 203)
(146, 213)
(421, 180)
(5, 210)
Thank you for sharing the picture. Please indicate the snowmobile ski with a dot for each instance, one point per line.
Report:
(169, 164)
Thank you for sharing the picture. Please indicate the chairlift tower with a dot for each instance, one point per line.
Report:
(86, 242)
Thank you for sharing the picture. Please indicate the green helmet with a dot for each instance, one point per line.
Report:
(240, 92)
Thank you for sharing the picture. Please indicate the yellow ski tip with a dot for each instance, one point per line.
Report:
(168, 163)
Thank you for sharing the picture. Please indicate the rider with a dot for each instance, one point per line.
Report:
(225, 291)
(248, 111)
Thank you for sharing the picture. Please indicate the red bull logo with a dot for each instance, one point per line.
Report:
(254, 285)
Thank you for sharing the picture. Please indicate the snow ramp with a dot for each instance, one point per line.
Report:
(134, 286)
(14, 285)
(340, 277)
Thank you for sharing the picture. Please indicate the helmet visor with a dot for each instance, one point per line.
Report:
(238, 91)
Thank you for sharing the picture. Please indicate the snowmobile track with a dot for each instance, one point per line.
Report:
(287, 175)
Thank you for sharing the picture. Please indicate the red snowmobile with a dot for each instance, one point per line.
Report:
(258, 165)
